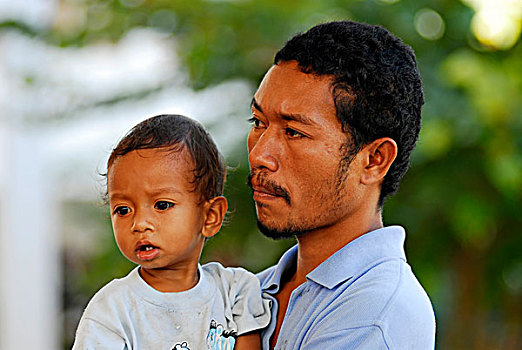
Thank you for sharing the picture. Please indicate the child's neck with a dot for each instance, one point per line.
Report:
(170, 280)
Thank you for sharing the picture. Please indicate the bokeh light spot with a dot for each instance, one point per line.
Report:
(390, 1)
(163, 20)
(496, 23)
(513, 279)
(429, 24)
(435, 138)
(132, 3)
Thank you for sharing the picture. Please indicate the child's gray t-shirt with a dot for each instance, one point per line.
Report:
(127, 313)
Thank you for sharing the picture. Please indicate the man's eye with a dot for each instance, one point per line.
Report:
(292, 133)
(256, 122)
(122, 211)
(163, 205)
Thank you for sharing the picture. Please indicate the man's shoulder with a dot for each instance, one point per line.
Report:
(386, 285)
(409, 319)
(366, 295)
(386, 295)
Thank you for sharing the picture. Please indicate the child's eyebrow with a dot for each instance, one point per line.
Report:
(117, 195)
(162, 190)
(153, 192)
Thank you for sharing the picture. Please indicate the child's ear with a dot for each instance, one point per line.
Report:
(379, 156)
(216, 210)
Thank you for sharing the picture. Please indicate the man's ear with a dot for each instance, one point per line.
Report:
(379, 156)
(216, 209)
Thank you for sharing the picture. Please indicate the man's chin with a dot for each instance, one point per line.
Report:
(277, 233)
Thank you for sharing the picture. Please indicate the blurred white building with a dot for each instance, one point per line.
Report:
(61, 112)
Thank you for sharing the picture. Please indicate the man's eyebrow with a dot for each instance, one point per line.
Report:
(256, 105)
(300, 118)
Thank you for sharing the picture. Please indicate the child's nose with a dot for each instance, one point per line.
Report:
(142, 222)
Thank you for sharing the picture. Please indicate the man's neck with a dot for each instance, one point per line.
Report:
(315, 247)
(318, 245)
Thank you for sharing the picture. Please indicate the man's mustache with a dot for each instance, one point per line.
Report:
(263, 181)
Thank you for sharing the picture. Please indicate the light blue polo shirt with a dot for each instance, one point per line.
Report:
(365, 296)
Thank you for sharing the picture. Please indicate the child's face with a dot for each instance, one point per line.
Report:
(156, 215)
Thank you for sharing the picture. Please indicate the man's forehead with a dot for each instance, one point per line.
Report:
(288, 76)
(293, 69)
(287, 90)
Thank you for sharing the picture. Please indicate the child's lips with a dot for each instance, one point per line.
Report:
(145, 250)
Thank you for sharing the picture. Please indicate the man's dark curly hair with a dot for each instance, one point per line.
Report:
(377, 89)
(175, 133)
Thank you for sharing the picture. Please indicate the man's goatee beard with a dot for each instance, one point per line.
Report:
(278, 233)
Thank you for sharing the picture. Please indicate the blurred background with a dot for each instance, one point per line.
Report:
(75, 75)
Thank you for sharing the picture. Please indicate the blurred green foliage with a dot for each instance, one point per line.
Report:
(460, 201)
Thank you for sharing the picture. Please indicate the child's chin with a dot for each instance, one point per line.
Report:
(150, 265)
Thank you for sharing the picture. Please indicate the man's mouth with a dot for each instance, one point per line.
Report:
(266, 189)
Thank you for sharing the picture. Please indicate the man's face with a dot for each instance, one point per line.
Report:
(295, 147)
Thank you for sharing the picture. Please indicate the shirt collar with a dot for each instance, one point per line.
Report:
(286, 264)
(378, 245)
(381, 244)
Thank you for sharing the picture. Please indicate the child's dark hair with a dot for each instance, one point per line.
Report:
(376, 87)
(176, 132)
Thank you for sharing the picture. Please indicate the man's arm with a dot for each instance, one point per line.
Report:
(250, 341)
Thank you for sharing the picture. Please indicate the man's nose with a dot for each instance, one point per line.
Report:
(264, 151)
(142, 221)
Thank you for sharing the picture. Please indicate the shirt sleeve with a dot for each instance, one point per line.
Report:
(92, 335)
(250, 311)
(360, 338)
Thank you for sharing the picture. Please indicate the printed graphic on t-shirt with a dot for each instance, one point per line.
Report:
(182, 346)
(217, 339)
(220, 339)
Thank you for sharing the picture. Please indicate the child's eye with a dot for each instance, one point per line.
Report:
(163, 205)
(122, 210)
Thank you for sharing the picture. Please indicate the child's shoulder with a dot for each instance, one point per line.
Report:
(215, 268)
(241, 294)
(109, 304)
(229, 275)
(115, 289)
